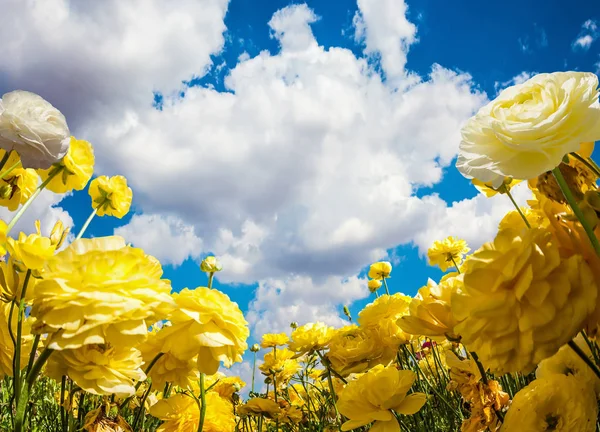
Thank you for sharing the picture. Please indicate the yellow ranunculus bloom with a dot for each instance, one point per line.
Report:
(558, 403)
(281, 365)
(520, 301)
(529, 127)
(271, 340)
(12, 280)
(168, 368)
(567, 362)
(99, 369)
(489, 190)
(353, 349)
(17, 186)
(57, 235)
(99, 291)
(259, 406)
(380, 270)
(430, 313)
(310, 337)
(32, 250)
(381, 318)
(74, 170)
(206, 324)
(374, 285)
(110, 196)
(97, 421)
(372, 396)
(224, 385)
(447, 253)
(7, 348)
(180, 413)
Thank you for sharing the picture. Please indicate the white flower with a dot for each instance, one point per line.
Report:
(530, 127)
(32, 127)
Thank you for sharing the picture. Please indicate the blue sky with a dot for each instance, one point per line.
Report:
(181, 102)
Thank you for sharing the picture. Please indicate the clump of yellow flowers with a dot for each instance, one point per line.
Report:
(95, 339)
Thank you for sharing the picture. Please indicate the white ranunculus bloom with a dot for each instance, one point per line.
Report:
(32, 127)
(530, 127)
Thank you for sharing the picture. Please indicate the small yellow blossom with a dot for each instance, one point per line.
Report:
(32, 250)
(58, 234)
(17, 186)
(380, 270)
(353, 349)
(281, 365)
(110, 196)
(210, 264)
(447, 253)
(259, 406)
(270, 340)
(374, 285)
(310, 337)
(74, 170)
(381, 318)
(371, 397)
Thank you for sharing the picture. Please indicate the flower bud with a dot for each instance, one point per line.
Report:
(294, 325)
(374, 285)
(5, 191)
(210, 264)
(255, 348)
(347, 312)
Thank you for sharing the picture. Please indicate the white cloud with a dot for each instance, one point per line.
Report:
(298, 298)
(303, 172)
(385, 30)
(517, 79)
(587, 36)
(167, 238)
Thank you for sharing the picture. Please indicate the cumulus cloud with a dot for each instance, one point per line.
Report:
(298, 175)
(587, 36)
(517, 79)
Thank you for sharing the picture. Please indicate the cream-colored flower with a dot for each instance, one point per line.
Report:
(529, 127)
(32, 127)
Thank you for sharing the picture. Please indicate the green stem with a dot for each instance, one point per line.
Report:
(25, 206)
(455, 266)
(139, 383)
(387, 291)
(31, 377)
(211, 275)
(584, 357)
(17, 352)
(203, 401)
(10, 169)
(63, 414)
(253, 370)
(141, 410)
(588, 163)
(4, 159)
(36, 342)
(518, 208)
(87, 223)
(571, 200)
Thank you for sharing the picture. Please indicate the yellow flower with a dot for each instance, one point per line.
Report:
(374, 285)
(259, 406)
(32, 250)
(567, 362)
(381, 318)
(281, 364)
(447, 253)
(353, 349)
(99, 369)
(210, 264)
(74, 170)
(520, 302)
(3, 239)
(430, 312)
(290, 414)
(17, 186)
(529, 127)
(181, 413)
(97, 421)
(7, 349)
(12, 280)
(270, 340)
(513, 219)
(371, 397)
(489, 190)
(310, 337)
(168, 368)
(224, 386)
(57, 235)
(207, 324)
(110, 196)
(380, 270)
(98, 291)
(556, 403)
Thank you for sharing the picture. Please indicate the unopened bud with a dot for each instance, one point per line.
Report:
(347, 313)
(255, 348)
(5, 191)
(210, 264)
(294, 325)
(374, 285)
(236, 387)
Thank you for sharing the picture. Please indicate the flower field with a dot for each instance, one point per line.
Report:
(93, 338)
